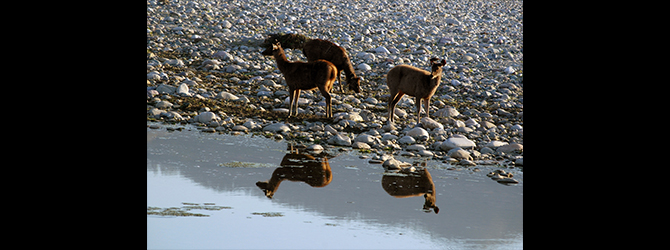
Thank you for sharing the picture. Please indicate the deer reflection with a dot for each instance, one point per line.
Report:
(410, 182)
(298, 167)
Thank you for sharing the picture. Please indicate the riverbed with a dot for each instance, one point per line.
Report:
(191, 171)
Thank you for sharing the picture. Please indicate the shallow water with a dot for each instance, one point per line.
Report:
(351, 211)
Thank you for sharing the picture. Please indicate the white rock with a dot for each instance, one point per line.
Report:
(509, 70)
(339, 140)
(429, 123)
(206, 117)
(364, 67)
(419, 134)
(227, 96)
(456, 142)
(183, 89)
(277, 128)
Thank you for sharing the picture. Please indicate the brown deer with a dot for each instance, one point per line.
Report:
(405, 79)
(298, 167)
(304, 76)
(405, 183)
(316, 49)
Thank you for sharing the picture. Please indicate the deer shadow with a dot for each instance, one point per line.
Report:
(315, 171)
(410, 182)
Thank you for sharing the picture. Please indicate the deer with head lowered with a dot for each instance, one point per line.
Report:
(412, 81)
(304, 76)
(316, 49)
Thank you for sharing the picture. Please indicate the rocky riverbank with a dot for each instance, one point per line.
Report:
(204, 67)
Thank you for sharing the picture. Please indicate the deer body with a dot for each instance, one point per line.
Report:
(319, 74)
(316, 49)
(412, 81)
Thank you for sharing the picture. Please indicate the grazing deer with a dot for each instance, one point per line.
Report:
(298, 167)
(403, 184)
(405, 79)
(316, 49)
(304, 76)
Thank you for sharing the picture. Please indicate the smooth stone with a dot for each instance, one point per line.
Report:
(339, 140)
(163, 104)
(456, 142)
(447, 112)
(166, 89)
(429, 123)
(510, 148)
(277, 127)
(393, 164)
(182, 89)
(419, 134)
(206, 117)
(227, 96)
(407, 140)
(459, 153)
(365, 138)
(360, 145)
(240, 128)
(364, 67)
(315, 148)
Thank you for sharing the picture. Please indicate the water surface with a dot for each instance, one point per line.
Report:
(352, 209)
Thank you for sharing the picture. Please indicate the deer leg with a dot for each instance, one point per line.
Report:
(393, 100)
(290, 102)
(418, 108)
(339, 80)
(295, 101)
(324, 92)
(427, 101)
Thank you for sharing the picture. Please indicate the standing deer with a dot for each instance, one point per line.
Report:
(304, 76)
(316, 49)
(405, 79)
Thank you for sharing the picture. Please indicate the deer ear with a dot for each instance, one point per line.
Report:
(444, 61)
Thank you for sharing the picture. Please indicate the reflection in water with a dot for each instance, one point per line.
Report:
(298, 167)
(410, 182)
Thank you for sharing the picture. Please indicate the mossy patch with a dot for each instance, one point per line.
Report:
(269, 214)
(240, 164)
(184, 210)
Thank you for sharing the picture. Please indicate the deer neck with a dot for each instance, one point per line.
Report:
(282, 61)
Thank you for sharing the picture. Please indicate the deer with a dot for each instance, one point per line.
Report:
(408, 183)
(298, 167)
(412, 81)
(304, 76)
(316, 49)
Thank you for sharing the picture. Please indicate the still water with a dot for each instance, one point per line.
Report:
(333, 200)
